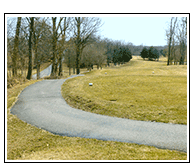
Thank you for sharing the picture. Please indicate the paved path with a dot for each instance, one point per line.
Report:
(42, 105)
(43, 73)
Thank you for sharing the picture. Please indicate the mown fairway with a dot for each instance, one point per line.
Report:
(133, 91)
(26, 142)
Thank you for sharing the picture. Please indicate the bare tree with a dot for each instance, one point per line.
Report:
(109, 51)
(23, 52)
(84, 28)
(88, 56)
(100, 54)
(54, 43)
(24, 48)
(16, 45)
(37, 32)
(31, 24)
(70, 56)
(170, 35)
(183, 39)
(173, 57)
(11, 29)
(177, 41)
(62, 43)
(39, 26)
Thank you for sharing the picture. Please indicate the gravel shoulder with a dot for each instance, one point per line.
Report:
(43, 106)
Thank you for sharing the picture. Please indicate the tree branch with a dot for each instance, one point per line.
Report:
(28, 20)
(59, 23)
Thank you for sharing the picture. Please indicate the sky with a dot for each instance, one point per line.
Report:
(145, 31)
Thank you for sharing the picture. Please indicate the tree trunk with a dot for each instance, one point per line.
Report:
(56, 66)
(62, 48)
(170, 39)
(77, 63)
(38, 70)
(36, 60)
(182, 53)
(54, 47)
(15, 50)
(69, 70)
(169, 46)
(180, 61)
(22, 66)
(69, 66)
(60, 66)
(73, 70)
(78, 40)
(30, 49)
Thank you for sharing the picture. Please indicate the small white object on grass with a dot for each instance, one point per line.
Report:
(105, 72)
(153, 72)
(90, 84)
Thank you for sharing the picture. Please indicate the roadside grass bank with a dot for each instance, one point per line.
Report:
(21, 77)
(138, 90)
(26, 142)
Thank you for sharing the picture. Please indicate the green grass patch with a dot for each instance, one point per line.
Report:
(133, 91)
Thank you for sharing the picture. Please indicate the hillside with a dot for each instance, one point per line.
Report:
(139, 90)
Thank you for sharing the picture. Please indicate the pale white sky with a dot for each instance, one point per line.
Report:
(137, 30)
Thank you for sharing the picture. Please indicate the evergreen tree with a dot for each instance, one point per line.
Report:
(144, 53)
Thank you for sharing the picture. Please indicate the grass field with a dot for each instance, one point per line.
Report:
(26, 142)
(133, 91)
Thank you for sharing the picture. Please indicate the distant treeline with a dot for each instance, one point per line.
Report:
(161, 49)
(151, 53)
(32, 41)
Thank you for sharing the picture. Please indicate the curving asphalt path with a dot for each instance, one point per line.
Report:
(43, 73)
(42, 105)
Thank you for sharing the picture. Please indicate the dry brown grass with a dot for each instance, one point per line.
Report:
(21, 76)
(133, 91)
(26, 142)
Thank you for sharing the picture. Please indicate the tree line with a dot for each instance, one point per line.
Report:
(28, 45)
(32, 41)
(118, 52)
(35, 40)
(151, 53)
(176, 49)
(45, 39)
(177, 41)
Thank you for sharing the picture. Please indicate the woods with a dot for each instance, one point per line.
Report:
(33, 41)
(71, 40)
(28, 47)
(37, 40)
(177, 41)
(16, 49)
(84, 29)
